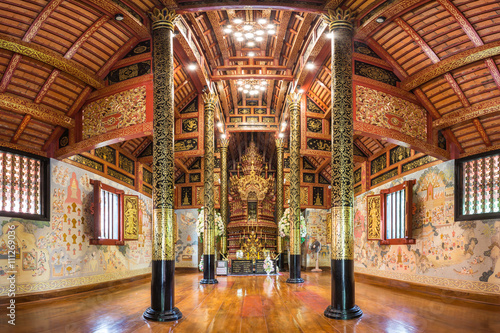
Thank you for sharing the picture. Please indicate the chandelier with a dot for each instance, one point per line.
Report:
(251, 87)
(250, 32)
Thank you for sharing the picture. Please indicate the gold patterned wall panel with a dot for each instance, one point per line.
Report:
(131, 217)
(304, 196)
(374, 217)
(113, 112)
(384, 110)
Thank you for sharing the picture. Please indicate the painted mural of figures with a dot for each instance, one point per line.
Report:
(74, 193)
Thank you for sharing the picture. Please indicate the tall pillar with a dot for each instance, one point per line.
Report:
(163, 252)
(294, 264)
(280, 147)
(210, 100)
(342, 251)
(224, 144)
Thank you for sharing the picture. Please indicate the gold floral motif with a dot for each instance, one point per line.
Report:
(35, 110)
(113, 112)
(131, 217)
(210, 100)
(339, 18)
(164, 18)
(280, 143)
(374, 217)
(295, 189)
(163, 234)
(224, 200)
(342, 233)
(163, 145)
(51, 58)
(384, 110)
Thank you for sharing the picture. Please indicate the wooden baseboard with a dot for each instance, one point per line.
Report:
(448, 295)
(44, 295)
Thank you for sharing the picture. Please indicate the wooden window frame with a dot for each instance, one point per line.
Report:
(459, 190)
(44, 196)
(98, 185)
(408, 239)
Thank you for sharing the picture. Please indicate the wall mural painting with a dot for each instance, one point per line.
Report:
(318, 144)
(186, 196)
(318, 196)
(462, 255)
(56, 254)
(313, 107)
(448, 253)
(314, 125)
(186, 247)
(384, 110)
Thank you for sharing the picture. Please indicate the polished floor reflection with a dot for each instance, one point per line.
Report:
(254, 304)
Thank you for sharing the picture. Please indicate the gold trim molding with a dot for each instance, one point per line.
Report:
(37, 111)
(339, 18)
(451, 63)
(460, 116)
(51, 58)
(163, 18)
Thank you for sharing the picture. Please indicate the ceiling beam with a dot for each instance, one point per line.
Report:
(43, 113)
(181, 166)
(458, 60)
(463, 115)
(252, 76)
(21, 128)
(482, 132)
(51, 58)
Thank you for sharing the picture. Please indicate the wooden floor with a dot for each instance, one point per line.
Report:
(254, 304)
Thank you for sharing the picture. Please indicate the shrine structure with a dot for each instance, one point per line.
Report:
(251, 226)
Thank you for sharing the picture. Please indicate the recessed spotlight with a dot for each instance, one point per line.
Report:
(240, 39)
(259, 39)
(329, 35)
(238, 20)
(249, 35)
(271, 32)
(239, 82)
(301, 91)
(247, 86)
(270, 26)
(219, 124)
(228, 30)
(251, 54)
(245, 91)
(247, 27)
(223, 135)
(283, 124)
(119, 17)
(240, 88)
(380, 19)
(281, 135)
(251, 44)
(262, 21)
(259, 32)
(310, 65)
(192, 67)
(238, 34)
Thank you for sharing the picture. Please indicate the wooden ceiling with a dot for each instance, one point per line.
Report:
(53, 54)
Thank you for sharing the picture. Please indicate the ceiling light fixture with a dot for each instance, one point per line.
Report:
(329, 35)
(251, 44)
(192, 67)
(281, 135)
(223, 135)
(245, 31)
(380, 19)
(310, 65)
(119, 17)
(251, 54)
(251, 86)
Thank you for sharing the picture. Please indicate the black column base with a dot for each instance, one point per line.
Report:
(170, 315)
(294, 265)
(352, 313)
(209, 269)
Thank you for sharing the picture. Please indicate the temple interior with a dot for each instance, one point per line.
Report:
(250, 165)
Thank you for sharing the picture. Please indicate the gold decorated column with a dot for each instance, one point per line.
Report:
(342, 250)
(210, 100)
(163, 252)
(280, 148)
(294, 107)
(224, 144)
